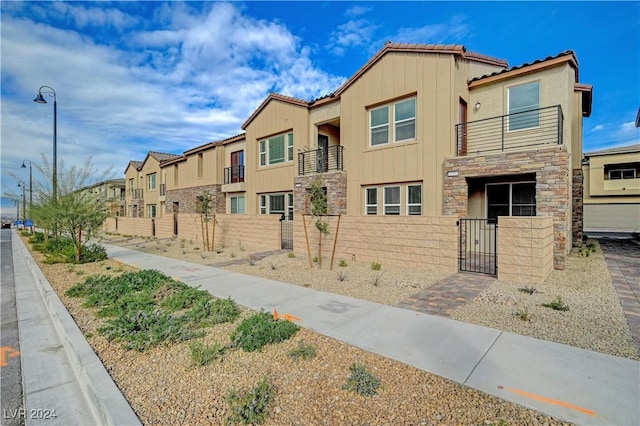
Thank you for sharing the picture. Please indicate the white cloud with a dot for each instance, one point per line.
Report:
(350, 35)
(598, 128)
(192, 78)
(453, 31)
(357, 11)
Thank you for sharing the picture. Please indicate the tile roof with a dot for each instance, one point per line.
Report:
(213, 144)
(135, 164)
(617, 150)
(162, 156)
(271, 97)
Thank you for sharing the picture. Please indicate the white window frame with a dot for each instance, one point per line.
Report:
(151, 179)
(410, 204)
(397, 122)
(379, 126)
(264, 149)
(368, 205)
(621, 172)
(386, 205)
(237, 198)
(263, 204)
(533, 106)
(150, 208)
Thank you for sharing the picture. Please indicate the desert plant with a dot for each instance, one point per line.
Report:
(202, 354)
(376, 266)
(315, 259)
(291, 255)
(260, 330)
(302, 351)
(528, 290)
(341, 276)
(250, 407)
(362, 381)
(557, 305)
(251, 260)
(376, 280)
(342, 263)
(523, 314)
(273, 265)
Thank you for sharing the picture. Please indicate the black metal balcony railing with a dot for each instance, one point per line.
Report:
(524, 129)
(163, 189)
(233, 174)
(320, 160)
(137, 194)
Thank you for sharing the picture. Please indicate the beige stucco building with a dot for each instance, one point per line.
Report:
(612, 189)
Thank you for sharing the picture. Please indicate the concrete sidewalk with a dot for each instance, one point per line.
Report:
(568, 383)
(64, 381)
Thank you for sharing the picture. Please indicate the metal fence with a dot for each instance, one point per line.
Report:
(478, 245)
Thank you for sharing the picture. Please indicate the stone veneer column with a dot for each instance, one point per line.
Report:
(336, 184)
(551, 168)
(578, 215)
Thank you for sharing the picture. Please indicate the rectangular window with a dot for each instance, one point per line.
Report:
(391, 200)
(524, 103)
(237, 205)
(511, 199)
(405, 120)
(379, 124)
(200, 165)
(175, 175)
(151, 181)
(263, 204)
(131, 185)
(622, 174)
(263, 153)
(151, 210)
(289, 146)
(276, 149)
(371, 201)
(276, 204)
(414, 199)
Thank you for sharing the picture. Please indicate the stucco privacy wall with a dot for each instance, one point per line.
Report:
(553, 186)
(525, 248)
(420, 242)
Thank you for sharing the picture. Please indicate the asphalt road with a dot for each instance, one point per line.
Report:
(10, 366)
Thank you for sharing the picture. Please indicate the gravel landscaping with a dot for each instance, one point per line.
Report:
(165, 387)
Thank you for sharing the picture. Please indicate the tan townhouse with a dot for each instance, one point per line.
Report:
(110, 193)
(612, 190)
(430, 130)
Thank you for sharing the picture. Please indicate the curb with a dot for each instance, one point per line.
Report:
(105, 398)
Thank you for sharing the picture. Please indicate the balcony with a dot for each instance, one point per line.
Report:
(234, 179)
(137, 194)
(320, 160)
(519, 131)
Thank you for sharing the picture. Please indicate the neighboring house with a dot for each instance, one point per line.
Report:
(215, 168)
(612, 190)
(111, 193)
(143, 185)
(429, 130)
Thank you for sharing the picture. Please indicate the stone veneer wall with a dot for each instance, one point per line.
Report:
(336, 184)
(137, 208)
(578, 209)
(188, 198)
(525, 248)
(551, 167)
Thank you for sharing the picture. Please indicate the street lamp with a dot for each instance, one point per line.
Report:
(41, 100)
(17, 210)
(30, 184)
(24, 201)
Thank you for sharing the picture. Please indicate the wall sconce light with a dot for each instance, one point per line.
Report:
(478, 105)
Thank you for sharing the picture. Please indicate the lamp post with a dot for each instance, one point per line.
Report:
(24, 201)
(17, 211)
(30, 184)
(41, 100)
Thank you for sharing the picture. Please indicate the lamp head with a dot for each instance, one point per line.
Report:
(40, 99)
(23, 166)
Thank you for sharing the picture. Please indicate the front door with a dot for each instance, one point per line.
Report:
(323, 154)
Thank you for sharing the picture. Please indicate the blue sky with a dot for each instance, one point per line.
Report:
(168, 76)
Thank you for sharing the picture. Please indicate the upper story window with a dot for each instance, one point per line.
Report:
(151, 181)
(200, 165)
(175, 175)
(524, 103)
(276, 149)
(131, 184)
(403, 114)
(622, 171)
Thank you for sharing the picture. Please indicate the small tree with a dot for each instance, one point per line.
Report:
(207, 205)
(317, 199)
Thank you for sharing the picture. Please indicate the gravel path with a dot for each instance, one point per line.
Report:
(164, 387)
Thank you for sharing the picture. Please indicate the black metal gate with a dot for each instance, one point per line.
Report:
(286, 232)
(478, 246)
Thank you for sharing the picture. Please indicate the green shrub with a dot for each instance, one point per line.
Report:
(342, 263)
(375, 266)
(302, 351)
(202, 354)
(252, 407)
(528, 290)
(261, 329)
(362, 381)
(213, 311)
(185, 297)
(557, 305)
(291, 255)
(37, 237)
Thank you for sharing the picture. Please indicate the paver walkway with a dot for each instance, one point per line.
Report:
(448, 294)
(623, 260)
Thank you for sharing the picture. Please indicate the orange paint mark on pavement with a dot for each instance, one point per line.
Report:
(288, 317)
(551, 401)
(7, 352)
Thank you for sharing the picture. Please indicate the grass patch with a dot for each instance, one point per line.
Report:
(362, 381)
(250, 407)
(375, 266)
(202, 354)
(302, 351)
(557, 305)
(528, 290)
(260, 330)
